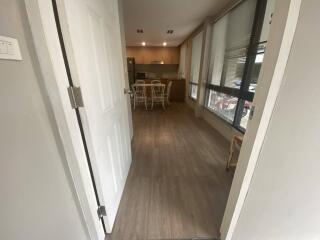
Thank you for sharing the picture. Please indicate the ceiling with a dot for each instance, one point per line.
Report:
(155, 17)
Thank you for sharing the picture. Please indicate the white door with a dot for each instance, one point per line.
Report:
(91, 30)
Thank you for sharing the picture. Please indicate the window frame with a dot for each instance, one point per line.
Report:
(243, 94)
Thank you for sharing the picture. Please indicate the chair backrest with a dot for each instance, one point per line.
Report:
(155, 81)
(169, 88)
(138, 91)
(140, 82)
(157, 90)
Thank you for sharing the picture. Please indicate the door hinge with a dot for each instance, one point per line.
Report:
(101, 211)
(75, 97)
(251, 112)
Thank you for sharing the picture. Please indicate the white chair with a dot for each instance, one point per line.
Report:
(167, 94)
(139, 95)
(140, 82)
(157, 94)
(234, 148)
(155, 82)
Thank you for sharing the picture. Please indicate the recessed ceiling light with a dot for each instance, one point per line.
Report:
(164, 44)
(143, 43)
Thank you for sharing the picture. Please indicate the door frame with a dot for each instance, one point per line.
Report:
(47, 46)
(280, 40)
(55, 77)
(55, 71)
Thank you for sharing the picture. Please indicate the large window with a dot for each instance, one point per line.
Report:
(195, 65)
(238, 44)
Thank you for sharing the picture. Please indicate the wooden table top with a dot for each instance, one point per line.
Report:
(148, 84)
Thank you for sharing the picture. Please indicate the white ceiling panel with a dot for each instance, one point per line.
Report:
(155, 17)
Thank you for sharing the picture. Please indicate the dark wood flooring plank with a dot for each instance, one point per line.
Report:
(177, 187)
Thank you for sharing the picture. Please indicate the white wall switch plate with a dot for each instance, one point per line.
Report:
(9, 48)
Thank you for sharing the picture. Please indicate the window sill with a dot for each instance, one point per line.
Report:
(241, 130)
(193, 99)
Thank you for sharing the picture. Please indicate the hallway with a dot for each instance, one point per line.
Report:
(177, 186)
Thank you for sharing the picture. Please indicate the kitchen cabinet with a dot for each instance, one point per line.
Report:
(149, 55)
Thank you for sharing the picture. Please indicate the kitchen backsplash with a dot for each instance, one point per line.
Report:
(169, 71)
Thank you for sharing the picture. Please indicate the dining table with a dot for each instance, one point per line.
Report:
(148, 84)
(148, 87)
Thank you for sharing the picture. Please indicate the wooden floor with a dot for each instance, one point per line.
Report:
(177, 186)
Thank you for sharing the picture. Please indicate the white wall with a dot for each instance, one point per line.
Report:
(226, 130)
(37, 198)
(283, 197)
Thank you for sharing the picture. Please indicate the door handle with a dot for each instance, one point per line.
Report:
(128, 91)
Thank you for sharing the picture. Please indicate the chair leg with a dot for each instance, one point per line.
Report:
(230, 155)
(134, 104)
(145, 103)
(163, 105)
(229, 161)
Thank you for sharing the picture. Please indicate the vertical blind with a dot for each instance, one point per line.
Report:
(230, 40)
(195, 65)
(182, 69)
(196, 57)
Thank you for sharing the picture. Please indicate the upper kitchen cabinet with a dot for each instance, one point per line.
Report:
(154, 55)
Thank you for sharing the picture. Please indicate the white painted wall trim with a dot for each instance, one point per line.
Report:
(45, 37)
(256, 135)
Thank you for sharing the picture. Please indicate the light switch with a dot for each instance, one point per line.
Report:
(9, 48)
(3, 48)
